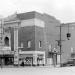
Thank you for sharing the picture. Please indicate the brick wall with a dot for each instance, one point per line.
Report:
(40, 36)
(27, 34)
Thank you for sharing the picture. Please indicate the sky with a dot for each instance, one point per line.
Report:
(63, 10)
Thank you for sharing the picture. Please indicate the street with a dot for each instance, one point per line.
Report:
(38, 71)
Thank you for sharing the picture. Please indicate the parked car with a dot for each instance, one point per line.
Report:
(69, 63)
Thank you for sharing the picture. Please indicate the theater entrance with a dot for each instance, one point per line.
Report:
(7, 60)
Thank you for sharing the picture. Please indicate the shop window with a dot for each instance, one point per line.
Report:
(29, 44)
(40, 44)
(6, 41)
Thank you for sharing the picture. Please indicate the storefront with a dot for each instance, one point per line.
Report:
(32, 58)
(26, 58)
(6, 57)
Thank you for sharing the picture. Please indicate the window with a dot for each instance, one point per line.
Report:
(72, 49)
(21, 45)
(50, 47)
(29, 44)
(40, 44)
(6, 41)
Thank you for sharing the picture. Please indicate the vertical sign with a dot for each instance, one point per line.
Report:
(16, 54)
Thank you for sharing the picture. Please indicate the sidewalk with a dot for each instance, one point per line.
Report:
(47, 66)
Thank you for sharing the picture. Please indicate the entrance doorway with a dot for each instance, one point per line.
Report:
(9, 60)
(6, 60)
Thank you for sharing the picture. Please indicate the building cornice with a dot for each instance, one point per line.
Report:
(10, 22)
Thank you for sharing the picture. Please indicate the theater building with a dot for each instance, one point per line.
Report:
(29, 38)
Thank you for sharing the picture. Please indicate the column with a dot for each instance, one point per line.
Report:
(16, 53)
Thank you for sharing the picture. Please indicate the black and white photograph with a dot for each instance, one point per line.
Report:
(37, 37)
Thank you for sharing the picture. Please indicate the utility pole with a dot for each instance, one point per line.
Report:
(60, 40)
(60, 44)
(68, 36)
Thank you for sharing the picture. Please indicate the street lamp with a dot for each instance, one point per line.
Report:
(68, 34)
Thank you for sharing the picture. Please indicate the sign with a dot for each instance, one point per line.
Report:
(6, 52)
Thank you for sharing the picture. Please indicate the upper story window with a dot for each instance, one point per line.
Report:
(21, 45)
(6, 41)
(72, 50)
(29, 44)
(40, 44)
(50, 47)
